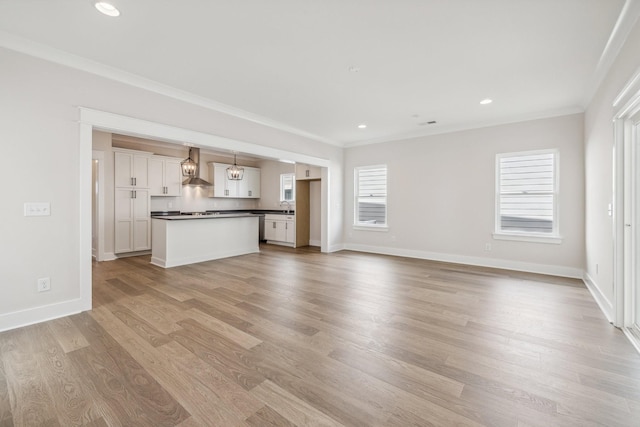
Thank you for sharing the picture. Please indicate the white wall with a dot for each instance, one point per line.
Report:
(270, 183)
(599, 172)
(441, 196)
(39, 125)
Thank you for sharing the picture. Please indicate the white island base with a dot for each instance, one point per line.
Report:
(181, 241)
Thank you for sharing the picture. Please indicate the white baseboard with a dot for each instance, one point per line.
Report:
(602, 301)
(18, 319)
(553, 270)
(315, 243)
(110, 256)
(336, 248)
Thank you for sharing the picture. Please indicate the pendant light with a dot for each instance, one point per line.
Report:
(234, 172)
(189, 167)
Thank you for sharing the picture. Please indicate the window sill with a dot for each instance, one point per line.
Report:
(370, 227)
(533, 238)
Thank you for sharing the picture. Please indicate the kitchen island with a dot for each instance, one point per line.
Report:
(180, 240)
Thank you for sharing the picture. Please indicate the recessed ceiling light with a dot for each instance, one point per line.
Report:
(486, 101)
(362, 126)
(353, 69)
(107, 8)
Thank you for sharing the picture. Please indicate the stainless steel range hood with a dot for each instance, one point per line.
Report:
(194, 155)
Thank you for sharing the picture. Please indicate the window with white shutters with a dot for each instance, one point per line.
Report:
(527, 187)
(370, 196)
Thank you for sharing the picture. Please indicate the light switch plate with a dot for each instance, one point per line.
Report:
(37, 209)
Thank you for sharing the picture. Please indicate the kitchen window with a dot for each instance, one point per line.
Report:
(527, 196)
(370, 197)
(287, 187)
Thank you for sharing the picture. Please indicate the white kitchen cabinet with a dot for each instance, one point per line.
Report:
(247, 187)
(131, 168)
(307, 172)
(280, 229)
(132, 220)
(165, 176)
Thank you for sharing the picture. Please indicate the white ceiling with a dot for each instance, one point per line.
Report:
(286, 62)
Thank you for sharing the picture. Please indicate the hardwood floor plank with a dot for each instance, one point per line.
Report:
(236, 335)
(67, 335)
(195, 393)
(29, 395)
(224, 355)
(130, 392)
(291, 407)
(140, 327)
(299, 337)
(266, 416)
(6, 417)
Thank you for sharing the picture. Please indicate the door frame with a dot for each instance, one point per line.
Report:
(626, 196)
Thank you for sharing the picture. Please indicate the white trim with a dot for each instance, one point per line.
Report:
(554, 237)
(336, 248)
(18, 319)
(28, 47)
(85, 154)
(632, 338)
(603, 302)
(314, 242)
(99, 156)
(533, 238)
(373, 227)
(111, 122)
(110, 256)
(624, 25)
(553, 270)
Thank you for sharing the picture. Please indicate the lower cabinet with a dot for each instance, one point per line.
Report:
(132, 220)
(280, 229)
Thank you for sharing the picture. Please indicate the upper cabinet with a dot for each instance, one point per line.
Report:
(307, 172)
(249, 186)
(165, 176)
(131, 168)
(246, 188)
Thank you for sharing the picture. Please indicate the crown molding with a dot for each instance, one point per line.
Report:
(469, 126)
(624, 25)
(38, 50)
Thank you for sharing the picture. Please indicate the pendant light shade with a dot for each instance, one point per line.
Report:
(189, 167)
(234, 172)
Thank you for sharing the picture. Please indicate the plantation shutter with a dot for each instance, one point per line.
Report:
(527, 193)
(371, 195)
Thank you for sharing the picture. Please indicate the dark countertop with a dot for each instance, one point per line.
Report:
(207, 216)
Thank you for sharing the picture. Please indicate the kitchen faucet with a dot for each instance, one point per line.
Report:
(288, 205)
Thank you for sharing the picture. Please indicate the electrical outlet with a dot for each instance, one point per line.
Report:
(487, 247)
(44, 284)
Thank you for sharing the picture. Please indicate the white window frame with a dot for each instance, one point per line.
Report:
(293, 188)
(524, 236)
(357, 225)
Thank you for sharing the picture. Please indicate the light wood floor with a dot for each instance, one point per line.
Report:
(294, 337)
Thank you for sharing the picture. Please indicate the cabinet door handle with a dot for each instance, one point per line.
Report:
(274, 224)
(135, 195)
(131, 180)
(306, 173)
(286, 225)
(249, 192)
